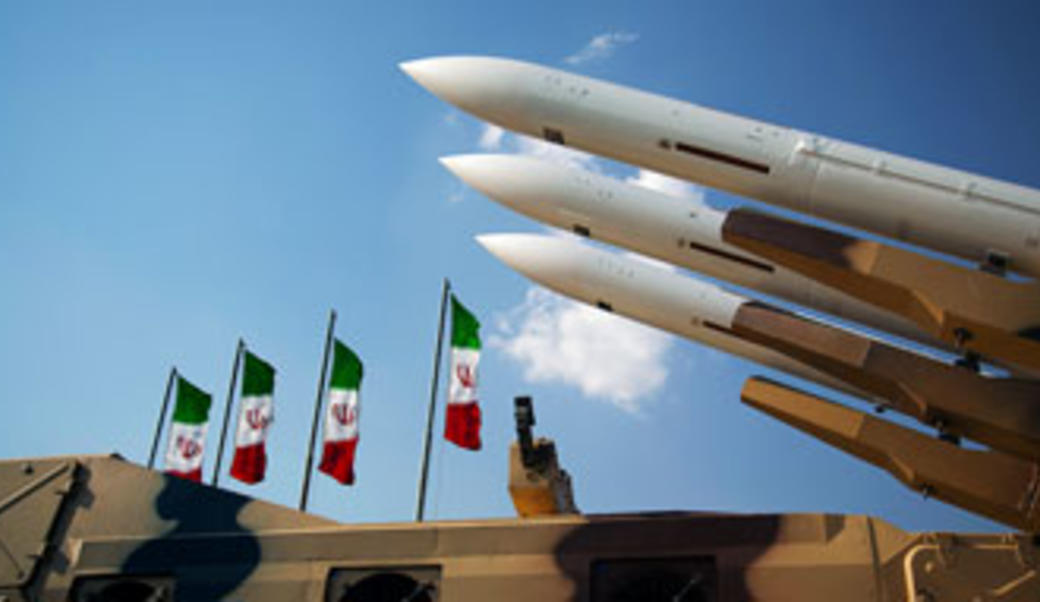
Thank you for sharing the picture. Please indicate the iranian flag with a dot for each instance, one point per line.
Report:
(462, 426)
(256, 413)
(187, 437)
(341, 415)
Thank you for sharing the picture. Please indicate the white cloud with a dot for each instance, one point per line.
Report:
(605, 356)
(491, 137)
(601, 47)
(525, 145)
(667, 185)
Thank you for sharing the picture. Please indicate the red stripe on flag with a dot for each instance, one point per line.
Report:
(193, 475)
(462, 426)
(250, 463)
(337, 460)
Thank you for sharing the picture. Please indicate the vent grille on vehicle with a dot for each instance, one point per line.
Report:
(124, 589)
(654, 580)
(404, 584)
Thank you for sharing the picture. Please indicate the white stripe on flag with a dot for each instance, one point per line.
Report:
(463, 388)
(341, 417)
(185, 447)
(257, 413)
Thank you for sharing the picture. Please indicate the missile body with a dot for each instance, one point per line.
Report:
(679, 231)
(1001, 413)
(948, 210)
(689, 308)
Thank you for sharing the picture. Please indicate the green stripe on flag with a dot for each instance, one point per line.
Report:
(192, 403)
(346, 368)
(464, 327)
(257, 377)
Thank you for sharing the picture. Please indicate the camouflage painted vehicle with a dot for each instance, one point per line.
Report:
(102, 529)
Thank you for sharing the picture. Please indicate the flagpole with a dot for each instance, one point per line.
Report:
(420, 504)
(317, 410)
(162, 417)
(227, 408)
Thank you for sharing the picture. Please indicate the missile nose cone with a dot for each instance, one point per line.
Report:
(465, 167)
(426, 72)
(542, 258)
(460, 80)
(510, 249)
(479, 171)
(528, 185)
(491, 88)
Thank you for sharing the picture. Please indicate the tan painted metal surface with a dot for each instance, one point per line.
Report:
(1000, 412)
(122, 529)
(969, 309)
(1002, 487)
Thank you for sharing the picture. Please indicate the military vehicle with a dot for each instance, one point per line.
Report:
(102, 529)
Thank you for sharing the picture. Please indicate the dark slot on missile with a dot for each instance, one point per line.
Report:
(721, 157)
(581, 230)
(717, 327)
(553, 135)
(751, 263)
(996, 263)
(604, 306)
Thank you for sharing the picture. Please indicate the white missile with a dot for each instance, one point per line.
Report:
(679, 231)
(998, 412)
(948, 210)
(643, 292)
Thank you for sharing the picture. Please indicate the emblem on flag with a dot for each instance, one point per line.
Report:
(341, 415)
(462, 424)
(187, 438)
(255, 416)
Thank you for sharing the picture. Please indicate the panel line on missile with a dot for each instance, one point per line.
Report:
(751, 263)
(707, 153)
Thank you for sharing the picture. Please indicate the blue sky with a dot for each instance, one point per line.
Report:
(173, 177)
